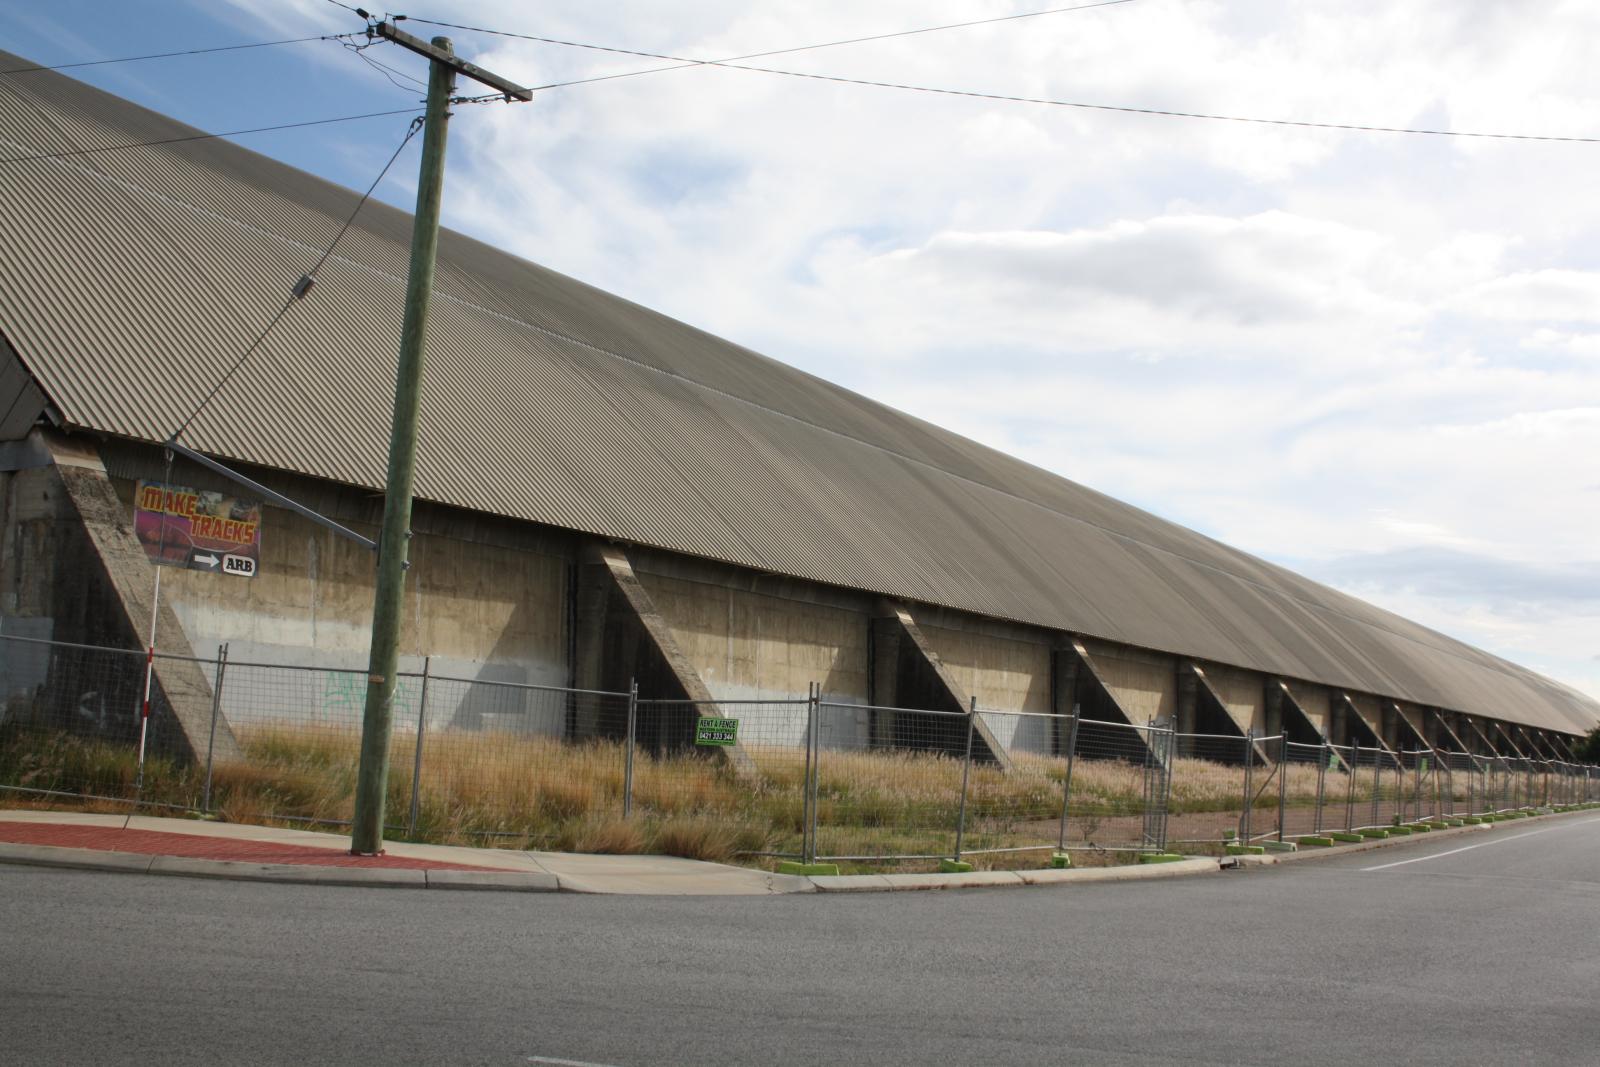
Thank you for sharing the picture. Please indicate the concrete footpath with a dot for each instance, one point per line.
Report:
(194, 848)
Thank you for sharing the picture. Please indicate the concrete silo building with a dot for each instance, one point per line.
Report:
(604, 493)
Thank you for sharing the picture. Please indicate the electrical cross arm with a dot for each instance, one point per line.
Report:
(389, 32)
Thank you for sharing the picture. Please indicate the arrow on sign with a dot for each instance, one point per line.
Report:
(209, 561)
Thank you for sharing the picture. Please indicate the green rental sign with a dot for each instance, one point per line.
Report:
(716, 732)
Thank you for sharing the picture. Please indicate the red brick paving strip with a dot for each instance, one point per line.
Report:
(194, 846)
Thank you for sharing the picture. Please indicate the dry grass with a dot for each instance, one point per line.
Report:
(530, 791)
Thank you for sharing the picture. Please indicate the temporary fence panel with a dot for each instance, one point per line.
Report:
(1348, 794)
(1018, 808)
(1118, 772)
(1157, 785)
(1498, 786)
(1210, 775)
(1445, 775)
(1465, 783)
(1529, 781)
(730, 767)
(1420, 784)
(1383, 786)
(895, 793)
(478, 758)
(300, 726)
(1306, 780)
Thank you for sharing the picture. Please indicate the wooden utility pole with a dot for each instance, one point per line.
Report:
(366, 836)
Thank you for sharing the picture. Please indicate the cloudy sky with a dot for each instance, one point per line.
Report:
(1372, 357)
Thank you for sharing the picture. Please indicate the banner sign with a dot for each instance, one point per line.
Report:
(198, 529)
(716, 732)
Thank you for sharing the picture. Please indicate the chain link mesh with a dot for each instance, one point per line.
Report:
(893, 791)
(475, 759)
(71, 723)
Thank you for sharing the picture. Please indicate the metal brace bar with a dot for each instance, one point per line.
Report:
(277, 498)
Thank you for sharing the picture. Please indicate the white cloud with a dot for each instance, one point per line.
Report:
(1585, 345)
(1549, 295)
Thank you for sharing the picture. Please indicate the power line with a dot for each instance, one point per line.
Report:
(208, 136)
(396, 77)
(185, 52)
(1349, 126)
(387, 71)
(301, 287)
(681, 62)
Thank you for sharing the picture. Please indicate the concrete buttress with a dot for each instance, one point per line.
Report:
(908, 672)
(618, 625)
(130, 575)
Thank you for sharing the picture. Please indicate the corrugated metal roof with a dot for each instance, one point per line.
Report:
(129, 280)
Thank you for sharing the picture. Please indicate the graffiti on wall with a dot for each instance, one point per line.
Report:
(344, 697)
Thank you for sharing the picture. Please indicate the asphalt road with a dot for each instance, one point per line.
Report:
(1477, 949)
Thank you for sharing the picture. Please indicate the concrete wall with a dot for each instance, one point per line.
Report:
(30, 511)
(1315, 702)
(483, 612)
(1003, 673)
(765, 643)
(1243, 696)
(1369, 711)
(1144, 684)
(747, 646)
(486, 599)
(1006, 667)
(1411, 727)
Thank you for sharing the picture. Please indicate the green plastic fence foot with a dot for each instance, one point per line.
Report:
(1419, 827)
(954, 867)
(1314, 840)
(1159, 857)
(1373, 833)
(1280, 846)
(1245, 850)
(1060, 861)
(1347, 838)
(795, 867)
(1472, 820)
(1403, 831)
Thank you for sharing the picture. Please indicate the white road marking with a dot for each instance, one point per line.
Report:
(1481, 844)
(564, 1063)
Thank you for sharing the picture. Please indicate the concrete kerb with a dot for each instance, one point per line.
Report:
(1242, 862)
(543, 882)
(181, 866)
(879, 883)
(686, 877)
(1476, 826)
